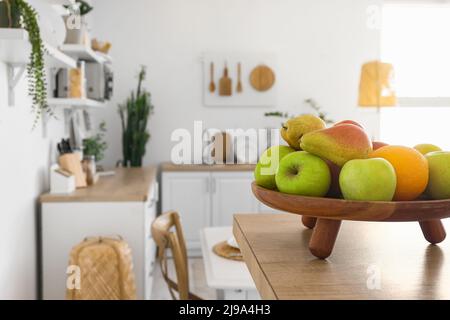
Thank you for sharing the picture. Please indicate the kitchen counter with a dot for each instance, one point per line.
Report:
(370, 260)
(170, 167)
(127, 184)
(124, 204)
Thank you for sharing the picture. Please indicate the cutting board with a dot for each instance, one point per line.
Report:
(262, 78)
(225, 83)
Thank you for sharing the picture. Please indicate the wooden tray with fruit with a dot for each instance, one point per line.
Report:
(339, 174)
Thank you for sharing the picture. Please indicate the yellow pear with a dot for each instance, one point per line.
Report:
(425, 148)
(294, 129)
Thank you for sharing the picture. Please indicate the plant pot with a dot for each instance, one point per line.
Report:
(77, 30)
(9, 15)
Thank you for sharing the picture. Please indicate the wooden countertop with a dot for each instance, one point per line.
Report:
(275, 248)
(168, 167)
(127, 184)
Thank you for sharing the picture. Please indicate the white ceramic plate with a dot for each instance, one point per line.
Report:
(232, 243)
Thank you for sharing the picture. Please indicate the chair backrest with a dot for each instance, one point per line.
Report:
(165, 238)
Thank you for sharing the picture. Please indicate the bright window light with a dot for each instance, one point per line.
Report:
(415, 39)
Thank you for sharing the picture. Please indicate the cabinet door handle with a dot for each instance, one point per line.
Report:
(213, 185)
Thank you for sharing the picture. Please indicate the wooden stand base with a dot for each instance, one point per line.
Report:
(323, 237)
(325, 233)
(309, 222)
(433, 231)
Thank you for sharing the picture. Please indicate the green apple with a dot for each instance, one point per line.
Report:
(368, 180)
(427, 148)
(303, 174)
(268, 164)
(439, 179)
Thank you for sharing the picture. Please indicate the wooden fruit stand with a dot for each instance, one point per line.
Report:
(325, 215)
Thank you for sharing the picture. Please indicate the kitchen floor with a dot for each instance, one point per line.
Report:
(197, 280)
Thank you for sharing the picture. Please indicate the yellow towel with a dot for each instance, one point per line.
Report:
(375, 89)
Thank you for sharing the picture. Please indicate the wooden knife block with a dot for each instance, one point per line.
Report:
(71, 163)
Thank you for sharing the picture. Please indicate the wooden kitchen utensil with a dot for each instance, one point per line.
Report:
(225, 83)
(262, 78)
(239, 83)
(325, 215)
(212, 85)
(223, 147)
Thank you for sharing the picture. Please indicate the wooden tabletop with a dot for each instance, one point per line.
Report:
(170, 167)
(371, 260)
(127, 184)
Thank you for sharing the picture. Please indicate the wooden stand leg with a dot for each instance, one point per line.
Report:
(323, 237)
(309, 222)
(433, 231)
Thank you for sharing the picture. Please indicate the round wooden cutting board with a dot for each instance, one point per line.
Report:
(262, 78)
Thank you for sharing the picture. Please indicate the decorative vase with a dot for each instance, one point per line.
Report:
(77, 30)
(9, 14)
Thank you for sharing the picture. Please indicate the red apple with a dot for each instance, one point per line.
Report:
(378, 144)
(349, 122)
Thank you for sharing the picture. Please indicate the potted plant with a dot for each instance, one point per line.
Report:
(94, 151)
(19, 14)
(76, 25)
(134, 114)
(9, 14)
(95, 146)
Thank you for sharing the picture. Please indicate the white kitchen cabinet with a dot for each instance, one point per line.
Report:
(207, 196)
(188, 193)
(231, 193)
(124, 204)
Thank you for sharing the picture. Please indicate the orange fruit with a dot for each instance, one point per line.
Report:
(411, 168)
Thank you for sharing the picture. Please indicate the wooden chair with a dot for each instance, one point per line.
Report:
(165, 238)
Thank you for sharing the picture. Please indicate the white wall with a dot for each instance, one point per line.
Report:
(24, 162)
(321, 45)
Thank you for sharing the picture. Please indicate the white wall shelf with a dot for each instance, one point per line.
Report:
(15, 50)
(82, 52)
(75, 102)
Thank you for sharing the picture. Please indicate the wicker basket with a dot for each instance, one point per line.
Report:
(106, 270)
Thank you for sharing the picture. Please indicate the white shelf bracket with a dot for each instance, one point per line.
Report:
(13, 79)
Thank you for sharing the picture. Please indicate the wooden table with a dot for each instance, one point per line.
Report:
(371, 260)
(231, 279)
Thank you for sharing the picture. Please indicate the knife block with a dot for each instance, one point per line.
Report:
(70, 162)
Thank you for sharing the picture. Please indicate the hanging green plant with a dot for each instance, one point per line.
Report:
(37, 84)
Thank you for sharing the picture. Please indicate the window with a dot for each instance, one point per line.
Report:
(416, 40)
